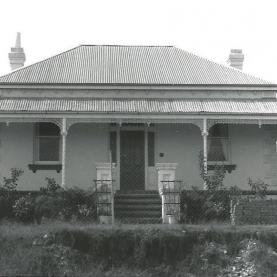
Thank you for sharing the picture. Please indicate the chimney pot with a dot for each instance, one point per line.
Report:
(17, 55)
(236, 58)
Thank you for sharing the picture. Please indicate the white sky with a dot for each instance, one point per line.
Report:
(209, 28)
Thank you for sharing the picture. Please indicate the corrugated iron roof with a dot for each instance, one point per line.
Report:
(142, 106)
(141, 65)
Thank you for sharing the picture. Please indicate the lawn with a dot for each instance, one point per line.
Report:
(80, 249)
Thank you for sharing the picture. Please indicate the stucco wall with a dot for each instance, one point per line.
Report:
(180, 143)
(86, 145)
(247, 153)
(252, 150)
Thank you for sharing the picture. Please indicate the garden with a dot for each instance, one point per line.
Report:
(54, 232)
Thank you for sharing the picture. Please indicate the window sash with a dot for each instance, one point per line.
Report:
(219, 149)
(46, 155)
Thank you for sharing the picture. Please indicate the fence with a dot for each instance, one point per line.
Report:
(200, 206)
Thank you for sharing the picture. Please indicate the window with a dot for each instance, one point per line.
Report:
(47, 143)
(218, 144)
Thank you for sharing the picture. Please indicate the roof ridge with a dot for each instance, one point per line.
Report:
(126, 45)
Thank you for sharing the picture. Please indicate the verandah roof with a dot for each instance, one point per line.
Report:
(143, 106)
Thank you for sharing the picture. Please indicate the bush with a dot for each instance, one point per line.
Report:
(203, 205)
(7, 193)
(24, 208)
(48, 206)
(210, 204)
(73, 203)
(6, 206)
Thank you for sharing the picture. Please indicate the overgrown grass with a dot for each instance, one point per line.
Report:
(79, 249)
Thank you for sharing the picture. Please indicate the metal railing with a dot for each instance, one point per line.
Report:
(171, 191)
(105, 200)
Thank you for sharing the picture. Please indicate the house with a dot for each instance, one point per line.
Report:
(149, 110)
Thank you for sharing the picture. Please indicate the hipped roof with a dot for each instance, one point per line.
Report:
(134, 65)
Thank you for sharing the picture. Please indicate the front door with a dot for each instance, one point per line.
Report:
(132, 160)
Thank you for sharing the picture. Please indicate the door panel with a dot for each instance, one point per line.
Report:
(132, 160)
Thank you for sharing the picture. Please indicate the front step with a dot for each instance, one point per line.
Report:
(138, 207)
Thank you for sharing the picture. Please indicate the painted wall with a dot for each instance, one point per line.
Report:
(180, 143)
(86, 145)
(247, 153)
(253, 150)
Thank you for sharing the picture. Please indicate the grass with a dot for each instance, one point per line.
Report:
(80, 249)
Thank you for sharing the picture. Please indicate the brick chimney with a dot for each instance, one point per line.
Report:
(17, 55)
(236, 58)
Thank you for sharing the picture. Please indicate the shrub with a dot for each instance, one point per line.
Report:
(6, 207)
(203, 205)
(51, 186)
(48, 206)
(79, 203)
(7, 193)
(73, 203)
(24, 208)
(10, 184)
(258, 188)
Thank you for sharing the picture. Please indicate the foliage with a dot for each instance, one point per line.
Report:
(11, 183)
(7, 192)
(23, 209)
(258, 188)
(51, 186)
(213, 180)
(72, 203)
(68, 249)
(198, 206)
(210, 204)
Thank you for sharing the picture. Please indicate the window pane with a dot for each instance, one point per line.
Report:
(218, 149)
(49, 149)
(219, 130)
(48, 129)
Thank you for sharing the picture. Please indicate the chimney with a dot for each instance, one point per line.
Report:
(17, 55)
(236, 58)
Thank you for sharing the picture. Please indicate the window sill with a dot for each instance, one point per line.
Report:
(35, 167)
(229, 167)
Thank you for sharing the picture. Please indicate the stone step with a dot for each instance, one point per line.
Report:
(146, 202)
(135, 206)
(141, 220)
(138, 213)
(137, 191)
(137, 196)
(141, 207)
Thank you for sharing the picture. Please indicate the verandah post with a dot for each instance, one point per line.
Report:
(63, 134)
(205, 134)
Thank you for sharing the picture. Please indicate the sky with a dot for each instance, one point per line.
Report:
(207, 28)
